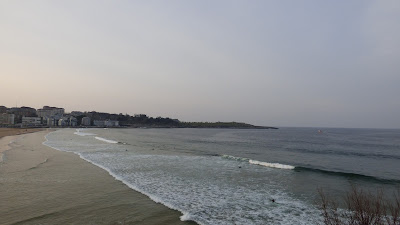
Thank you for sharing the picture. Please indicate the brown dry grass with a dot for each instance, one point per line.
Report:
(362, 208)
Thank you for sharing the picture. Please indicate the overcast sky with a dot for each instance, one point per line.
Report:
(279, 63)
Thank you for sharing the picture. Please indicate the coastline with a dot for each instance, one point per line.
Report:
(41, 185)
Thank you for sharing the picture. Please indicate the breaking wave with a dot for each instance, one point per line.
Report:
(80, 133)
(255, 162)
(272, 165)
(348, 175)
(315, 170)
(235, 158)
(106, 140)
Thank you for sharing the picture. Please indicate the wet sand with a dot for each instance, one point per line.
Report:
(9, 135)
(40, 185)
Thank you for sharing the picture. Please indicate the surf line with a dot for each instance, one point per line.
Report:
(106, 140)
(272, 165)
(255, 162)
(80, 133)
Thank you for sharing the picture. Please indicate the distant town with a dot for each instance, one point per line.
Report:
(48, 116)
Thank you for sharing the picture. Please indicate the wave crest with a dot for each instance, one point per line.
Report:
(235, 158)
(106, 140)
(255, 162)
(272, 165)
(80, 133)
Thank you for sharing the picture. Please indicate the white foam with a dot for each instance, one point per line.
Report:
(47, 143)
(272, 165)
(199, 187)
(185, 217)
(78, 132)
(235, 158)
(106, 140)
(255, 162)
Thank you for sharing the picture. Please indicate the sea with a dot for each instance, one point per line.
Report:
(241, 176)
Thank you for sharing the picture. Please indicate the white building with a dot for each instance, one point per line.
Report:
(111, 123)
(49, 112)
(85, 121)
(106, 123)
(62, 122)
(7, 119)
(31, 121)
(67, 121)
(73, 121)
(51, 122)
(99, 123)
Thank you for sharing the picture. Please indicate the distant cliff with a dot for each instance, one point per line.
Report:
(222, 125)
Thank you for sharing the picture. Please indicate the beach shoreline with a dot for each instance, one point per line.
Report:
(41, 185)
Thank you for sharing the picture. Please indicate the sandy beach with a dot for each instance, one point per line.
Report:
(40, 185)
(9, 135)
(16, 131)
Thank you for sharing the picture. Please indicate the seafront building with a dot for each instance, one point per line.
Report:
(30, 117)
(50, 112)
(51, 122)
(99, 123)
(50, 115)
(31, 121)
(106, 123)
(85, 121)
(23, 111)
(68, 121)
(7, 119)
(54, 117)
(111, 123)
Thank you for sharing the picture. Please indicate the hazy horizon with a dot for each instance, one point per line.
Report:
(272, 63)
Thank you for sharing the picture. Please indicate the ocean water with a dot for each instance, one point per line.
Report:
(230, 176)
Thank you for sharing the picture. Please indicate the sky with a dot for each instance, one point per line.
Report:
(307, 63)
